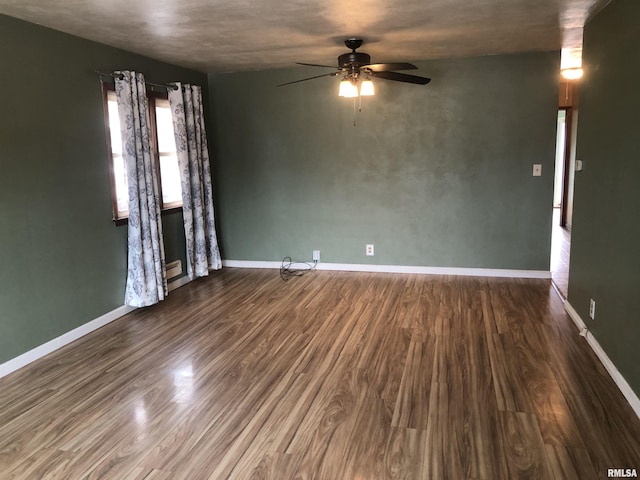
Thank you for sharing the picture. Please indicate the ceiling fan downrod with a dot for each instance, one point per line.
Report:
(353, 60)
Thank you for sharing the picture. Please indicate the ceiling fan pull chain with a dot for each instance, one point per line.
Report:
(354, 111)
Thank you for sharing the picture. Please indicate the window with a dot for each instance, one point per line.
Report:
(163, 147)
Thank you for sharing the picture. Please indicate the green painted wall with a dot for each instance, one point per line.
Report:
(606, 232)
(436, 175)
(63, 261)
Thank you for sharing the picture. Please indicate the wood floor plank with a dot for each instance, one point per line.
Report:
(484, 452)
(444, 444)
(547, 399)
(569, 463)
(300, 426)
(329, 376)
(404, 454)
(273, 466)
(324, 439)
(248, 448)
(525, 452)
(484, 456)
(364, 459)
(139, 473)
(411, 409)
(516, 395)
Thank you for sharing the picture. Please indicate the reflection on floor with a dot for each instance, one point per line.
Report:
(560, 243)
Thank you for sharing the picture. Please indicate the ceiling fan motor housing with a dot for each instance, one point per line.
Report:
(355, 65)
(353, 59)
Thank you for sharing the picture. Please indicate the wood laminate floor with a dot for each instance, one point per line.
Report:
(330, 376)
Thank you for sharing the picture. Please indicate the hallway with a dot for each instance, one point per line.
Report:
(560, 248)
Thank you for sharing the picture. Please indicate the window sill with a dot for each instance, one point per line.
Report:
(165, 211)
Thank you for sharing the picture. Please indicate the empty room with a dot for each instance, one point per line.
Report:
(319, 240)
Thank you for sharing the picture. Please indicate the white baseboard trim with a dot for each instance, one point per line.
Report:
(59, 342)
(36, 353)
(352, 267)
(617, 377)
(250, 264)
(582, 327)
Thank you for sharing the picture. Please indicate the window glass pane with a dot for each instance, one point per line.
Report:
(122, 195)
(170, 176)
(166, 141)
(169, 170)
(119, 172)
(114, 124)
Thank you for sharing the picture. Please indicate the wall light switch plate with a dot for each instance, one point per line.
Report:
(537, 169)
(578, 165)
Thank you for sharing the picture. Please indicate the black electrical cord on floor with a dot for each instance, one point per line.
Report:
(289, 268)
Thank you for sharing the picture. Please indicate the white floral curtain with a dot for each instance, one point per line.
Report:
(146, 275)
(203, 253)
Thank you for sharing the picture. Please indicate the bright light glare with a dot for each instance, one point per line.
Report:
(572, 73)
(366, 89)
(347, 89)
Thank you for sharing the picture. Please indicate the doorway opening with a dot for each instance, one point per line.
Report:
(562, 203)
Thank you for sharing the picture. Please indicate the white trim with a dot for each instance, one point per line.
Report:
(173, 269)
(250, 264)
(470, 272)
(64, 339)
(582, 327)
(617, 377)
(352, 267)
(557, 290)
(52, 345)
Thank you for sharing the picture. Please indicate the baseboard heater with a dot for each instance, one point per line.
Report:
(174, 269)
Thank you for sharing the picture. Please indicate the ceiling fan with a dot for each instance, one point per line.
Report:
(357, 71)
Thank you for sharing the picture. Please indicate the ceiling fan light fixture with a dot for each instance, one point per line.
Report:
(356, 71)
(366, 88)
(347, 89)
(572, 73)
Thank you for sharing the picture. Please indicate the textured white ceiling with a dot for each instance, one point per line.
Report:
(231, 35)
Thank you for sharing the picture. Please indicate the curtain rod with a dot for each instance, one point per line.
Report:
(121, 76)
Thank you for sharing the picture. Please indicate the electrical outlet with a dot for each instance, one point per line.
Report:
(316, 255)
(592, 309)
(368, 250)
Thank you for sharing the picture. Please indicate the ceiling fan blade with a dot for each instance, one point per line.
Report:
(401, 77)
(317, 65)
(332, 74)
(387, 67)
